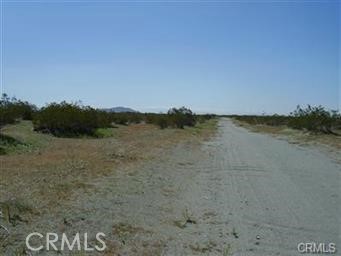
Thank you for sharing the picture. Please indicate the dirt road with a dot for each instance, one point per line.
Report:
(240, 193)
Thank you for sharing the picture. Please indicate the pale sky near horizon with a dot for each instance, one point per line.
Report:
(222, 57)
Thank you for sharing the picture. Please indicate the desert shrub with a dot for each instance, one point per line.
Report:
(7, 142)
(273, 120)
(68, 119)
(135, 118)
(175, 117)
(149, 118)
(119, 118)
(316, 119)
(125, 118)
(181, 117)
(162, 121)
(204, 118)
(12, 109)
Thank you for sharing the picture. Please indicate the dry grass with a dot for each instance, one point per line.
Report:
(53, 168)
(133, 240)
(39, 179)
(296, 136)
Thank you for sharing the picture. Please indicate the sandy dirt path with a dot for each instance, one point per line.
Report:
(240, 193)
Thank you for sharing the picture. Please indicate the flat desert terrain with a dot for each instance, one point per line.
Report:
(208, 191)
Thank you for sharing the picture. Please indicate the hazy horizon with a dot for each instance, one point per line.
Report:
(218, 57)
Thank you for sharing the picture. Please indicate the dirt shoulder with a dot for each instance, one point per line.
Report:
(327, 143)
(42, 175)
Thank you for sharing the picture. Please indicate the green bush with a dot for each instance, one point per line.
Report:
(273, 120)
(181, 117)
(126, 118)
(204, 118)
(315, 119)
(175, 117)
(65, 119)
(7, 142)
(162, 121)
(12, 109)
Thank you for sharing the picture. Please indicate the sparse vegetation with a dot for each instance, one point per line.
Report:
(13, 211)
(70, 119)
(272, 120)
(126, 118)
(67, 166)
(181, 117)
(12, 109)
(7, 142)
(73, 119)
(314, 119)
(177, 118)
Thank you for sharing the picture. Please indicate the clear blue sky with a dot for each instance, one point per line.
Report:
(223, 57)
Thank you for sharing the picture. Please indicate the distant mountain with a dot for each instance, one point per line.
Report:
(120, 110)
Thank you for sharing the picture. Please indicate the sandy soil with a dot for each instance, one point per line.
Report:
(328, 143)
(239, 193)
